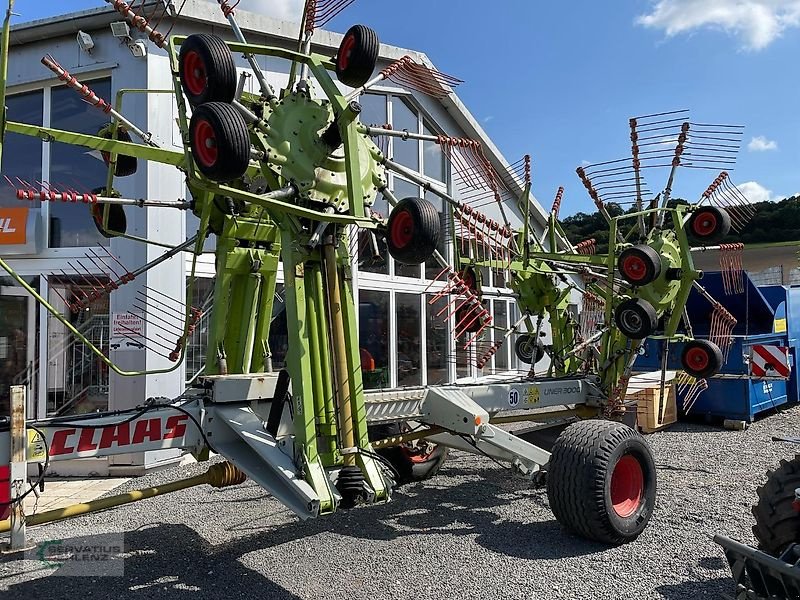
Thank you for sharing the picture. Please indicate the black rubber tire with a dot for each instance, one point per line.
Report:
(409, 469)
(474, 323)
(126, 165)
(230, 141)
(413, 231)
(471, 279)
(524, 349)
(636, 318)
(777, 521)
(579, 481)
(639, 265)
(207, 69)
(709, 224)
(357, 56)
(117, 221)
(709, 352)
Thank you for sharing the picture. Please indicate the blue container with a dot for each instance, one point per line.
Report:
(767, 315)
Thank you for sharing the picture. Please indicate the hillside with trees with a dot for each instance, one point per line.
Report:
(773, 222)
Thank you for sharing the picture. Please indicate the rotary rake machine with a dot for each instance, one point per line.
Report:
(281, 177)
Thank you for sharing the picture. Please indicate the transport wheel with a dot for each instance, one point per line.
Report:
(413, 231)
(357, 56)
(117, 222)
(414, 461)
(701, 358)
(529, 349)
(126, 165)
(709, 224)
(777, 516)
(639, 265)
(601, 481)
(468, 317)
(636, 318)
(207, 70)
(470, 277)
(220, 141)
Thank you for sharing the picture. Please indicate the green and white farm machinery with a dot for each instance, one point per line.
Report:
(282, 179)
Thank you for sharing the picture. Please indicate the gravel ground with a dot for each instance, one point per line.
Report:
(474, 531)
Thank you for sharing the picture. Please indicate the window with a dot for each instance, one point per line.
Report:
(22, 154)
(404, 117)
(409, 344)
(436, 344)
(373, 333)
(76, 168)
(501, 326)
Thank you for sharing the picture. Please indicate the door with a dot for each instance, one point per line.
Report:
(17, 345)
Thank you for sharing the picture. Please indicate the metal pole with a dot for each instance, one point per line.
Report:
(19, 466)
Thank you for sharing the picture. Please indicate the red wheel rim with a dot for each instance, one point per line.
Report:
(634, 267)
(194, 73)
(705, 223)
(697, 359)
(469, 278)
(345, 51)
(419, 456)
(627, 486)
(402, 229)
(205, 143)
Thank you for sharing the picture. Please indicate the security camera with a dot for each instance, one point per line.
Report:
(138, 48)
(85, 41)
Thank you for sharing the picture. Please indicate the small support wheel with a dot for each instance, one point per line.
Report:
(777, 516)
(220, 141)
(470, 277)
(126, 165)
(357, 56)
(636, 318)
(639, 265)
(117, 222)
(207, 69)
(709, 224)
(413, 231)
(701, 358)
(413, 461)
(601, 481)
(529, 349)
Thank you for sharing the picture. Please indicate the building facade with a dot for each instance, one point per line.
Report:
(403, 341)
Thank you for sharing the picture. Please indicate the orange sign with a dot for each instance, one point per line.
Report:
(12, 225)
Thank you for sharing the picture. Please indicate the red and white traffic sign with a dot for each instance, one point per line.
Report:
(769, 360)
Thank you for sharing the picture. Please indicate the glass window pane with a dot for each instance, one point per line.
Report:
(405, 189)
(436, 350)
(373, 255)
(373, 334)
(76, 168)
(501, 324)
(432, 157)
(409, 346)
(373, 109)
(22, 154)
(405, 118)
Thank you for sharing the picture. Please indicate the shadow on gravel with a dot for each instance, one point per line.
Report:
(722, 588)
(164, 561)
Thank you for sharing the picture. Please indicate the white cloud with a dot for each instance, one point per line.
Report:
(756, 22)
(288, 10)
(755, 192)
(762, 144)
(488, 118)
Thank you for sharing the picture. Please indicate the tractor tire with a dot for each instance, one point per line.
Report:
(220, 141)
(639, 265)
(412, 463)
(701, 358)
(357, 56)
(413, 231)
(529, 350)
(117, 222)
(126, 165)
(601, 481)
(709, 224)
(636, 318)
(777, 520)
(207, 70)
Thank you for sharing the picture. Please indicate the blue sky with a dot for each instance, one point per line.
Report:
(558, 80)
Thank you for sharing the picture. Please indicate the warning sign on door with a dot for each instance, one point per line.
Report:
(127, 325)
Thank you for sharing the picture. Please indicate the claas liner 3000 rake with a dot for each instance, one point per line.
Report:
(280, 179)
